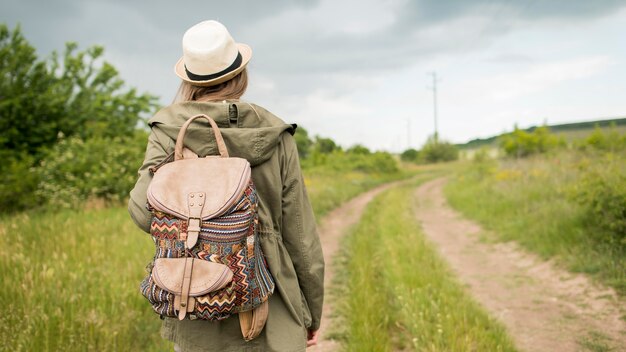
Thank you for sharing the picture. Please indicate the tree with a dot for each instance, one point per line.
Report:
(303, 142)
(41, 99)
(325, 145)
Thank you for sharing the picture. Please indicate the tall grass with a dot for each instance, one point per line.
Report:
(537, 203)
(70, 279)
(70, 283)
(398, 294)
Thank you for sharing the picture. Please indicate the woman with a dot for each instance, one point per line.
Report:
(213, 70)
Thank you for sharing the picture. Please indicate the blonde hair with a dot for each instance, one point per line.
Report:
(232, 89)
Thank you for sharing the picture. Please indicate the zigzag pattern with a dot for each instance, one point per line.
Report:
(164, 227)
(240, 277)
(217, 305)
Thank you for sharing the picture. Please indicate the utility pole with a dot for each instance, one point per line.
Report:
(434, 89)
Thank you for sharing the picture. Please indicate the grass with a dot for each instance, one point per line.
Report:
(70, 283)
(70, 279)
(533, 202)
(595, 342)
(328, 189)
(396, 293)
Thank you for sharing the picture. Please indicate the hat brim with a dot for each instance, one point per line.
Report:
(246, 55)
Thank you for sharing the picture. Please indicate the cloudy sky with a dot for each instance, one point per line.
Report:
(358, 71)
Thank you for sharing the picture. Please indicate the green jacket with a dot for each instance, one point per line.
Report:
(287, 226)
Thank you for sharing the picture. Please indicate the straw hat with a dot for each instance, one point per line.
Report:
(210, 55)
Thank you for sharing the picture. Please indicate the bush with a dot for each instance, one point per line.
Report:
(103, 168)
(19, 182)
(410, 155)
(610, 140)
(520, 143)
(435, 151)
(603, 194)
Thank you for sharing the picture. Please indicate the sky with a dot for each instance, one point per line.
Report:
(360, 71)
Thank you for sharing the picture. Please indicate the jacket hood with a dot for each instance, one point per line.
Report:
(249, 131)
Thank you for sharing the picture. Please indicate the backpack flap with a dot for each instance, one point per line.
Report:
(187, 278)
(205, 276)
(222, 180)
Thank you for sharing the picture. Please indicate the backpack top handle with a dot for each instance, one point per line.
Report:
(221, 146)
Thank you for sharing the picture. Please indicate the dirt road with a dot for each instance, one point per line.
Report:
(332, 227)
(544, 308)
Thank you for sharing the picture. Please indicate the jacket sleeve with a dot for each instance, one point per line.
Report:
(300, 235)
(155, 153)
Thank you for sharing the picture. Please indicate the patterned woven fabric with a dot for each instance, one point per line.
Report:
(230, 239)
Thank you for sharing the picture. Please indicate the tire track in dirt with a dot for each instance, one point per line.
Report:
(332, 227)
(543, 307)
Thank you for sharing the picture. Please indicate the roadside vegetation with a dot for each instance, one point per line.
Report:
(333, 175)
(562, 202)
(394, 292)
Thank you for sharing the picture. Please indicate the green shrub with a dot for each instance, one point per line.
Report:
(600, 139)
(602, 192)
(410, 155)
(19, 182)
(520, 143)
(103, 168)
(435, 151)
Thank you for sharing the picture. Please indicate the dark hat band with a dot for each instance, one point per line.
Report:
(235, 65)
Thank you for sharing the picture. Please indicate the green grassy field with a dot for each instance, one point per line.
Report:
(396, 293)
(537, 203)
(70, 280)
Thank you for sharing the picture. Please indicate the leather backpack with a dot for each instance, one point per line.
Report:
(208, 262)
